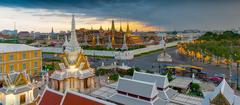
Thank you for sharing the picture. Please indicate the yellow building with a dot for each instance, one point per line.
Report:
(20, 58)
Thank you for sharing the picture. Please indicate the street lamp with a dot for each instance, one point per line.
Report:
(238, 62)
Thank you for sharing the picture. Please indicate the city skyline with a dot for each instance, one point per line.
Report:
(143, 15)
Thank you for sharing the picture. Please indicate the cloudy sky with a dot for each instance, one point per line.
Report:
(41, 15)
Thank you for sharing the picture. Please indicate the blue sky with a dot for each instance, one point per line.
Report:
(41, 15)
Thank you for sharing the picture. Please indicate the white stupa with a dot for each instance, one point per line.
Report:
(164, 56)
(124, 46)
(109, 44)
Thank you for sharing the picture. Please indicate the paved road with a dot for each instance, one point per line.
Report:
(149, 62)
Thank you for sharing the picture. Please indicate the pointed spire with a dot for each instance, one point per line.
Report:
(101, 28)
(113, 26)
(113, 33)
(52, 33)
(66, 41)
(73, 41)
(121, 30)
(128, 29)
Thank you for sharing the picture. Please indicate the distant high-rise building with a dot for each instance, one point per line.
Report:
(52, 33)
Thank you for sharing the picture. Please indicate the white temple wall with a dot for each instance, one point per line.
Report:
(12, 99)
(113, 53)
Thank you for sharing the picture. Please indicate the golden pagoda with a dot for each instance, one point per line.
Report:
(133, 39)
(113, 31)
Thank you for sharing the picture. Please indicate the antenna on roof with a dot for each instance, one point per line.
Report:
(14, 25)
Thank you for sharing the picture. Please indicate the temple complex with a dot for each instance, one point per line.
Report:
(133, 39)
(75, 72)
(111, 38)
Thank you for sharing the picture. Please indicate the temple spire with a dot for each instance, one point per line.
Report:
(121, 30)
(113, 26)
(113, 33)
(101, 28)
(65, 44)
(73, 41)
(128, 29)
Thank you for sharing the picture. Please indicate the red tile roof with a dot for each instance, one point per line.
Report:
(51, 97)
(79, 99)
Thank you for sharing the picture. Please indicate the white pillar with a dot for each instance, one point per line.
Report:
(61, 86)
(81, 85)
(92, 82)
(67, 85)
(53, 85)
(76, 84)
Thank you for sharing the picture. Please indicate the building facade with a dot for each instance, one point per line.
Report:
(20, 58)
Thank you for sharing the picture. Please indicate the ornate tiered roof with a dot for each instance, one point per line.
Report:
(161, 81)
(75, 63)
(15, 83)
(135, 92)
(223, 93)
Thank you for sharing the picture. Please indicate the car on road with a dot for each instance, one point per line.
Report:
(220, 75)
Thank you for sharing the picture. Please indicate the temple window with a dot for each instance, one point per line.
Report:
(132, 95)
(144, 98)
(121, 92)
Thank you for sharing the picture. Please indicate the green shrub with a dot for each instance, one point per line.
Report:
(114, 77)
